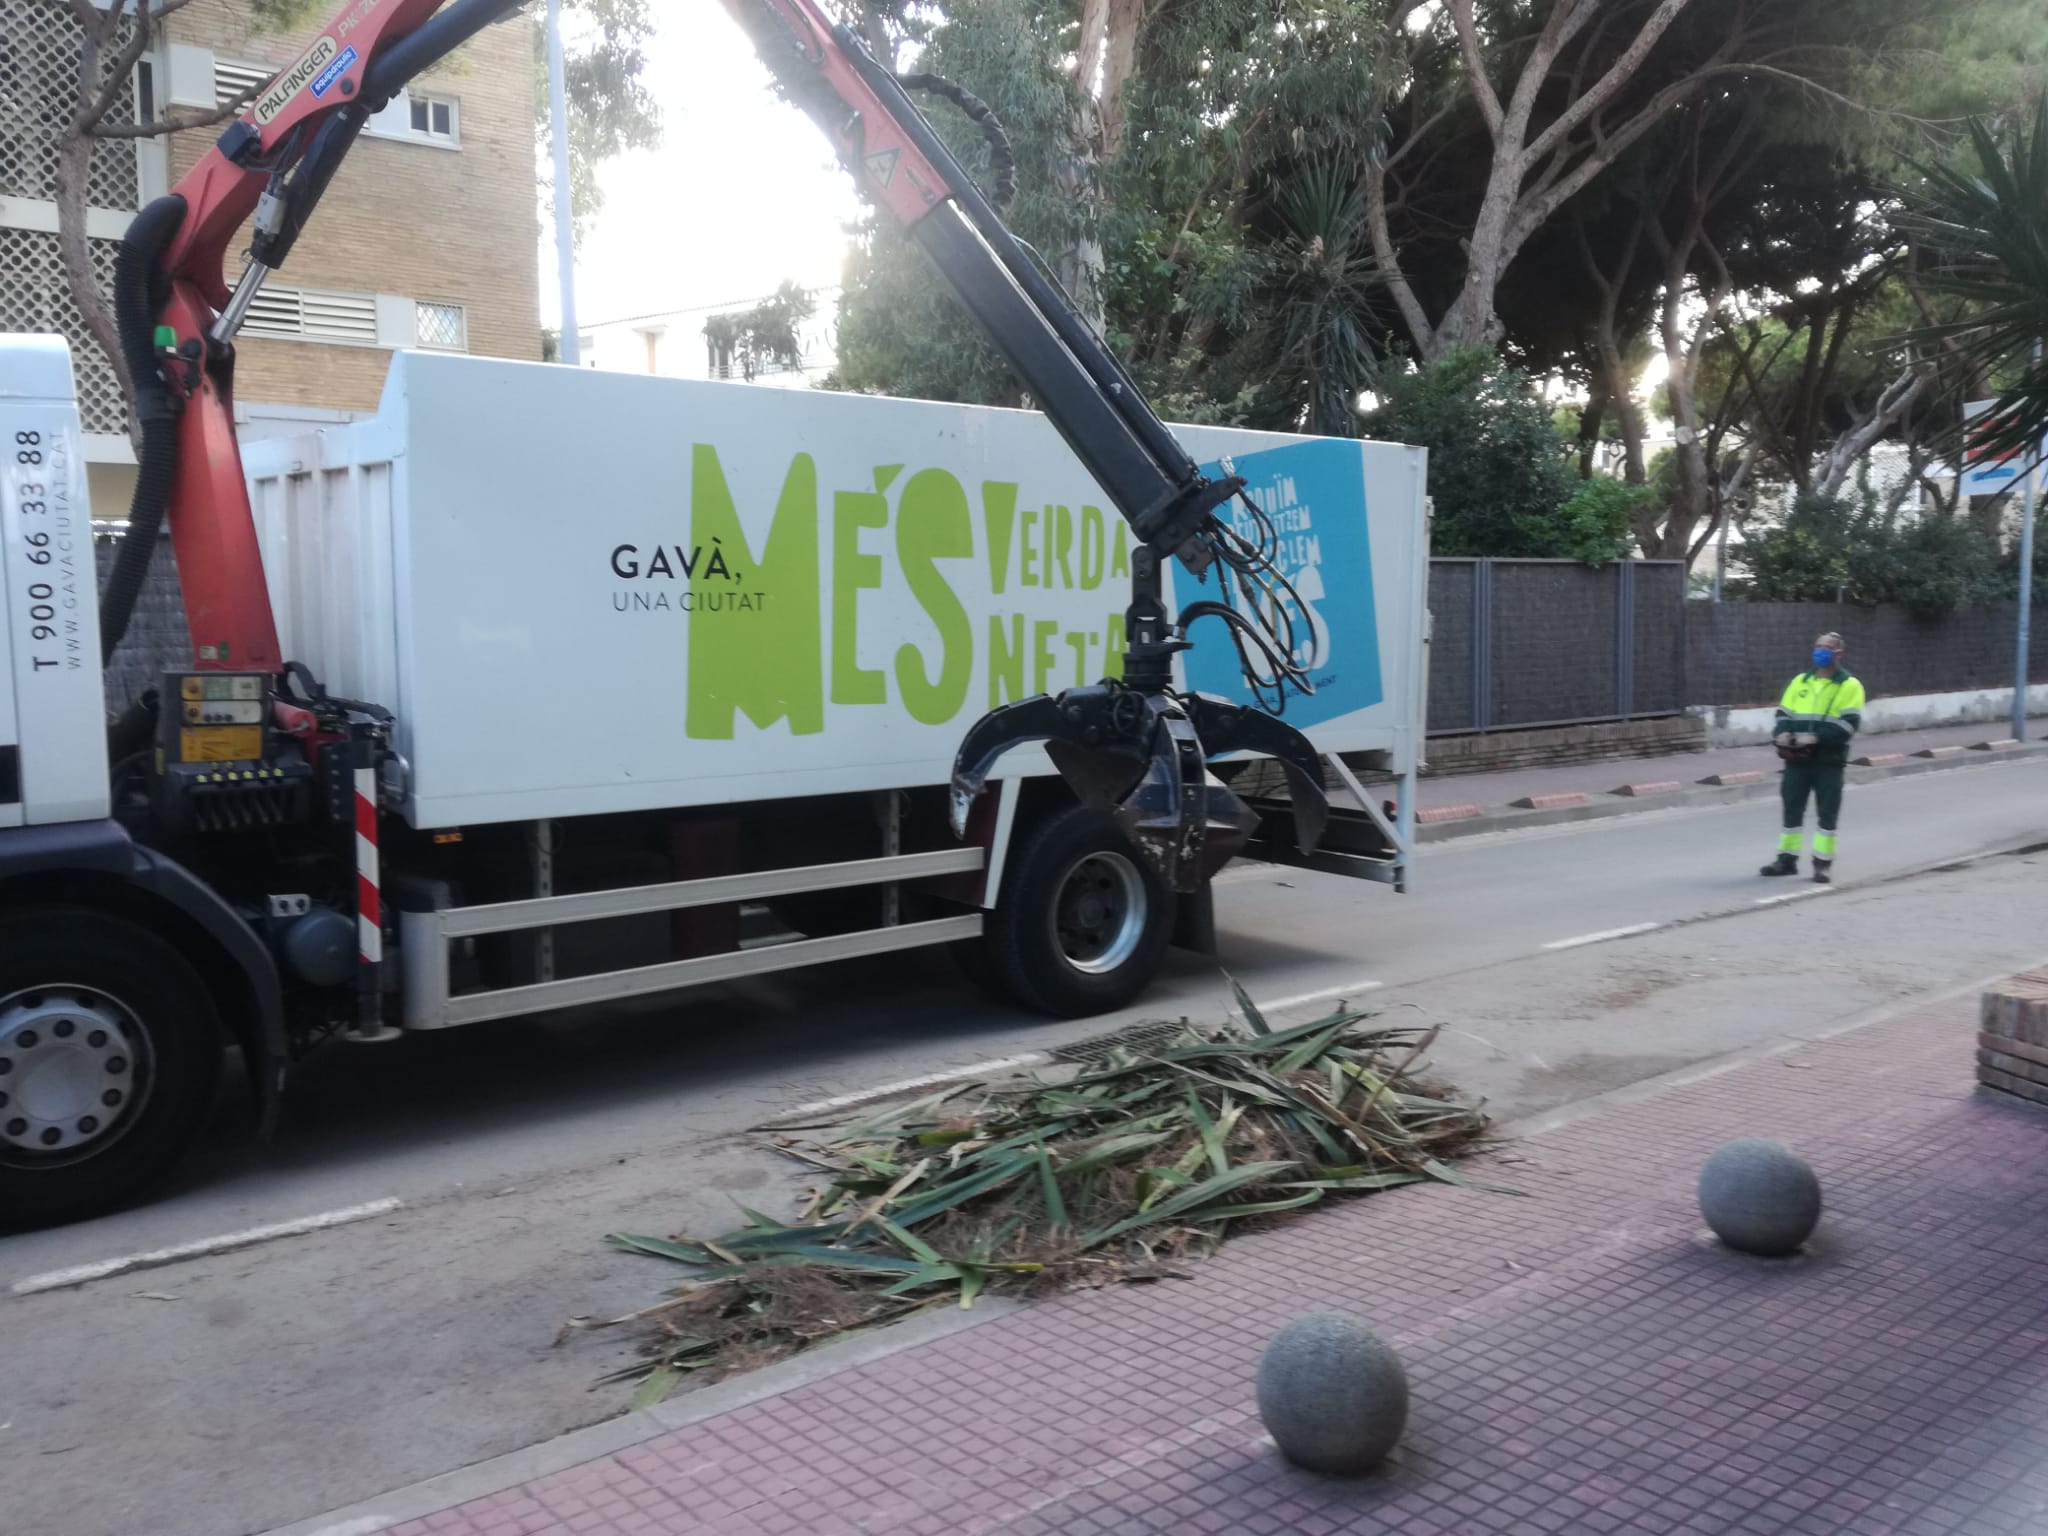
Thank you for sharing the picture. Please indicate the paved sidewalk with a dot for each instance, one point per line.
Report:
(1495, 793)
(1582, 1360)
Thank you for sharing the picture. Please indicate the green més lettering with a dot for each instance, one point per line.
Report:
(933, 523)
(765, 661)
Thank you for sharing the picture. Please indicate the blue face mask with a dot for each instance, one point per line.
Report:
(1822, 656)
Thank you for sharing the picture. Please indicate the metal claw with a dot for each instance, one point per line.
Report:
(1143, 757)
(1225, 727)
(1010, 725)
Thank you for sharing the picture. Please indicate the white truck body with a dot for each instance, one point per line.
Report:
(53, 732)
(584, 595)
(585, 592)
(615, 685)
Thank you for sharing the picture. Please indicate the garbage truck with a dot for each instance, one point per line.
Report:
(545, 687)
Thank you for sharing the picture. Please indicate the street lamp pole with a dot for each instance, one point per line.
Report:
(565, 223)
(2031, 475)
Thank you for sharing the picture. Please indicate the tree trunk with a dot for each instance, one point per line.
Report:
(1847, 450)
(1103, 65)
(1470, 321)
(74, 167)
(1413, 315)
(1081, 265)
(1590, 417)
(1692, 500)
(876, 27)
(1628, 416)
(1109, 54)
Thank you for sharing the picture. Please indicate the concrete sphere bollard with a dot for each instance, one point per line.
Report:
(1759, 1197)
(1333, 1396)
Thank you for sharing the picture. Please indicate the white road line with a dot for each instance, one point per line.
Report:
(1812, 890)
(1604, 935)
(1348, 989)
(930, 1080)
(58, 1279)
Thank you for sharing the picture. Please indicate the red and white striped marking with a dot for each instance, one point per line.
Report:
(369, 901)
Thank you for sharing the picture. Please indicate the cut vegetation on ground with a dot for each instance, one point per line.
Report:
(1126, 1171)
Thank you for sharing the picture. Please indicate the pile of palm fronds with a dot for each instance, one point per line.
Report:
(1132, 1165)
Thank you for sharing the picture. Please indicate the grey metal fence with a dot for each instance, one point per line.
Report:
(1521, 643)
(1740, 654)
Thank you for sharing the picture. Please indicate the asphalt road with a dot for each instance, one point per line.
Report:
(241, 1391)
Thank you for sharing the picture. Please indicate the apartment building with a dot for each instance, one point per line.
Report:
(428, 237)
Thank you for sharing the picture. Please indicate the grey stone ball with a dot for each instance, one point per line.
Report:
(1332, 1394)
(1759, 1197)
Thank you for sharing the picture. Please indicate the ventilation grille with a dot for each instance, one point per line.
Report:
(308, 314)
(35, 297)
(233, 81)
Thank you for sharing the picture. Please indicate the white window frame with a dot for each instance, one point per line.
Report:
(395, 121)
(462, 312)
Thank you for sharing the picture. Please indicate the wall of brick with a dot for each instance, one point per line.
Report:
(456, 226)
(2012, 1037)
(1555, 746)
(1738, 655)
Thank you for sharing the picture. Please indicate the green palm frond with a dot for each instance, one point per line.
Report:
(1988, 235)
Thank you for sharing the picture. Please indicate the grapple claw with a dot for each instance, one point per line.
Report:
(1225, 727)
(995, 733)
(1143, 757)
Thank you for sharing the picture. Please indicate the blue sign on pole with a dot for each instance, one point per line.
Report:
(1314, 492)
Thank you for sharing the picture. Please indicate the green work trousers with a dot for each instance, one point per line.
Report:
(1823, 782)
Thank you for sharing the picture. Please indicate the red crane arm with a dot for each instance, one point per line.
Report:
(293, 132)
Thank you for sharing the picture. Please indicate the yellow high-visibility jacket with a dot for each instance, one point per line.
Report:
(1830, 708)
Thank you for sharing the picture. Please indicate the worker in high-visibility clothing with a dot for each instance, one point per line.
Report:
(1817, 719)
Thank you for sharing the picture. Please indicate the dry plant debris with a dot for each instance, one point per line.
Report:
(1138, 1164)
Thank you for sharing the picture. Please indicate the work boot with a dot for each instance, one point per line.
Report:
(1820, 871)
(1787, 864)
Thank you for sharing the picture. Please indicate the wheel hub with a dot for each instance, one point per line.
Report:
(69, 1074)
(1101, 913)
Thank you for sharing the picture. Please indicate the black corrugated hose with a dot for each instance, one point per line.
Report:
(1002, 163)
(156, 410)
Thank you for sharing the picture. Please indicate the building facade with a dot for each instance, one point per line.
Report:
(428, 237)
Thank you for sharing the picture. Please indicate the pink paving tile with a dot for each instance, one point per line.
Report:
(1598, 1367)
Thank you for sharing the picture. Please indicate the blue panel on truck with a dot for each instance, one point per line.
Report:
(1315, 493)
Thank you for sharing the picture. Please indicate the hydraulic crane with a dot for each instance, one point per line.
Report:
(1135, 743)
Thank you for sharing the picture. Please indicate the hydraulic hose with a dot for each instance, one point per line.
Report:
(1002, 160)
(156, 412)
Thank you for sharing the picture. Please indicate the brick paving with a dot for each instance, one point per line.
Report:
(1582, 1359)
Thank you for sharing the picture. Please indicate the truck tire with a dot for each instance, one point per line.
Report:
(1082, 922)
(110, 1057)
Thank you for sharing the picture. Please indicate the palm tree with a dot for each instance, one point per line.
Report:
(1988, 235)
(1317, 340)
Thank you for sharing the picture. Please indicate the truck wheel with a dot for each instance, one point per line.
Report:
(1082, 922)
(110, 1055)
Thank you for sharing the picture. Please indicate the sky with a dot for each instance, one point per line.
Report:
(741, 194)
